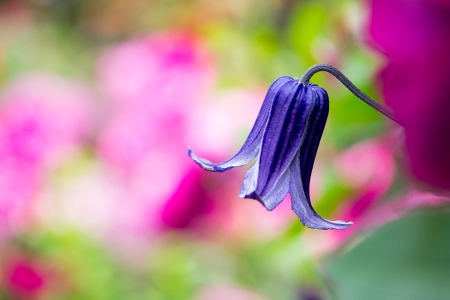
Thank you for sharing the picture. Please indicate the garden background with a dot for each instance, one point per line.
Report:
(99, 101)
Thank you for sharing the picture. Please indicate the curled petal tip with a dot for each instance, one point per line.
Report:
(243, 195)
(257, 197)
(190, 152)
(323, 224)
(204, 163)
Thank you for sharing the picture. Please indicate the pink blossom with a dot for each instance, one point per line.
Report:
(390, 210)
(367, 165)
(18, 191)
(166, 68)
(24, 279)
(188, 201)
(415, 37)
(154, 85)
(130, 137)
(251, 221)
(220, 126)
(42, 117)
(369, 168)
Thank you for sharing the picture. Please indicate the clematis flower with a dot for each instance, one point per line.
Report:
(283, 142)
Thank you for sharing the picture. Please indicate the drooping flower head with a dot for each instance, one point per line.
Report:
(283, 142)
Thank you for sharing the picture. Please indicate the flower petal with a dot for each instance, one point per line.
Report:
(274, 197)
(250, 181)
(301, 203)
(252, 145)
(302, 166)
(316, 125)
(283, 136)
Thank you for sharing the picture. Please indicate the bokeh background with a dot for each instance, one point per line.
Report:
(99, 101)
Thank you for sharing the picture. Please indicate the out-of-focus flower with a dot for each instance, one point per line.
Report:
(155, 87)
(24, 279)
(211, 128)
(43, 118)
(284, 141)
(18, 189)
(153, 83)
(131, 136)
(383, 212)
(369, 168)
(147, 71)
(189, 200)
(415, 37)
(250, 221)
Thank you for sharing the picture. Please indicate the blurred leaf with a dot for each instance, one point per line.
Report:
(306, 24)
(406, 259)
(46, 47)
(88, 270)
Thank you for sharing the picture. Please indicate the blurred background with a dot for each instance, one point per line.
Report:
(99, 101)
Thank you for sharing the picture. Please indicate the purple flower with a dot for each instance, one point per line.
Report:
(284, 141)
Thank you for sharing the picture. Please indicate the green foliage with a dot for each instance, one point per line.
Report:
(407, 259)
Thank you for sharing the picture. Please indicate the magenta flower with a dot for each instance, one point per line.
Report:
(368, 168)
(19, 187)
(43, 118)
(151, 83)
(415, 37)
(24, 279)
(188, 202)
(144, 72)
(284, 141)
(154, 87)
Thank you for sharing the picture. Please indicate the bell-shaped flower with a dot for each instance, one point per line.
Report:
(283, 142)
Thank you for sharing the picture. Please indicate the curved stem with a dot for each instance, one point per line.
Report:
(349, 85)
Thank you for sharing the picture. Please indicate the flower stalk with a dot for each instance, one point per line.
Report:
(350, 86)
